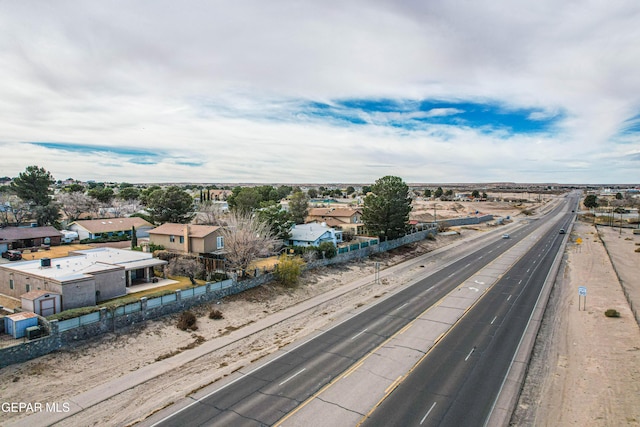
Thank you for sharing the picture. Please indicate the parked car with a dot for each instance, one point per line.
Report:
(12, 255)
(505, 236)
(562, 231)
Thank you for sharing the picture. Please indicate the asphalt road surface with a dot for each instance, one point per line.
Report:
(459, 380)
(268, 393)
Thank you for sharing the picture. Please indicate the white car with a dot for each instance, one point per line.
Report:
(505, 236)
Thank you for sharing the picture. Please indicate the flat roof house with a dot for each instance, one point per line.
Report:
(97, 228)
(82, 279)
(188, 238)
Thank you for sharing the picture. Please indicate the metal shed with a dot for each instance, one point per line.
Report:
(44, 303)
(17, 323)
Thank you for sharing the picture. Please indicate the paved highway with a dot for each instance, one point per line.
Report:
(266, 394)
(457, 383)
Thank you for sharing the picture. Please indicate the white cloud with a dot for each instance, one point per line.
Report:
(223, 84)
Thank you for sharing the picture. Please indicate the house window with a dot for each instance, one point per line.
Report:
(181, 239)
(220, 242)
(10, 283)
(28, 287)
(172, 239)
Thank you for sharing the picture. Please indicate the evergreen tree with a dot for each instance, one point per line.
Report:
(386, 209)
(32, 186)
(299, 207)
(170, 205)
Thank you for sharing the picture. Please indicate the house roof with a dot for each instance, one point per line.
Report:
(334, 212)
(308, 232)
(82, 263)
(174, 229)
(333, 222)
(111, 224)
(21, 233)
(33, 295)
(16, 317)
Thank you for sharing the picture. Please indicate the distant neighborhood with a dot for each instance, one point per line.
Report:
(125, 237)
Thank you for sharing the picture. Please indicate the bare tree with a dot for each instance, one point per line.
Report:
(13, 208)
(189, 267)
(245, 239)
(74, 204)
(209, 213)
(5, 209)
(131, 206)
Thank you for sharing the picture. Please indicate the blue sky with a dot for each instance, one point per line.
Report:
(251, 91)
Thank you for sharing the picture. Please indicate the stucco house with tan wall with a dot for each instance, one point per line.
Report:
(82, 279)
(345, 219)
(188, 238)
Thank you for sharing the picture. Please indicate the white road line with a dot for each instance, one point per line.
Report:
(509, 297)
(494, 319)
(520, 282)
(406, 303)
(428, 412)
(470, 353)
(293, 376)
(358, 334)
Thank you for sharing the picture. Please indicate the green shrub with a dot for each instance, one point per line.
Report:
(187, 320)
(612, 313)
(73, 312)
(328, 249)
(289, 269)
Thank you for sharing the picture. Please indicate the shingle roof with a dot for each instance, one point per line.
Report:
(112, 224)
(195, 231)
(21, 233)
(334, 212)
(308, 232)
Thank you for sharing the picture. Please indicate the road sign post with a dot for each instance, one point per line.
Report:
(582, 292)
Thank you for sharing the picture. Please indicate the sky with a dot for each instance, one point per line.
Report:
(278, 91)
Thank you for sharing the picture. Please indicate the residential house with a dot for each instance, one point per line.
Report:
(345, 219)
(81, 279)
(99, 228)
(219, 195)
(30, 237)
(312, 234)
(188, 238)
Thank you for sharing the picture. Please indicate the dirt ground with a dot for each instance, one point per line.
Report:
(585, 369)
(587, 381)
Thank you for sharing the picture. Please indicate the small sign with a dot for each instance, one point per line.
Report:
(582, 291)
(579, 240)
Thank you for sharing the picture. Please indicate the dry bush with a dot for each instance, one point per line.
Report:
(187, 320)
(215, 314)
